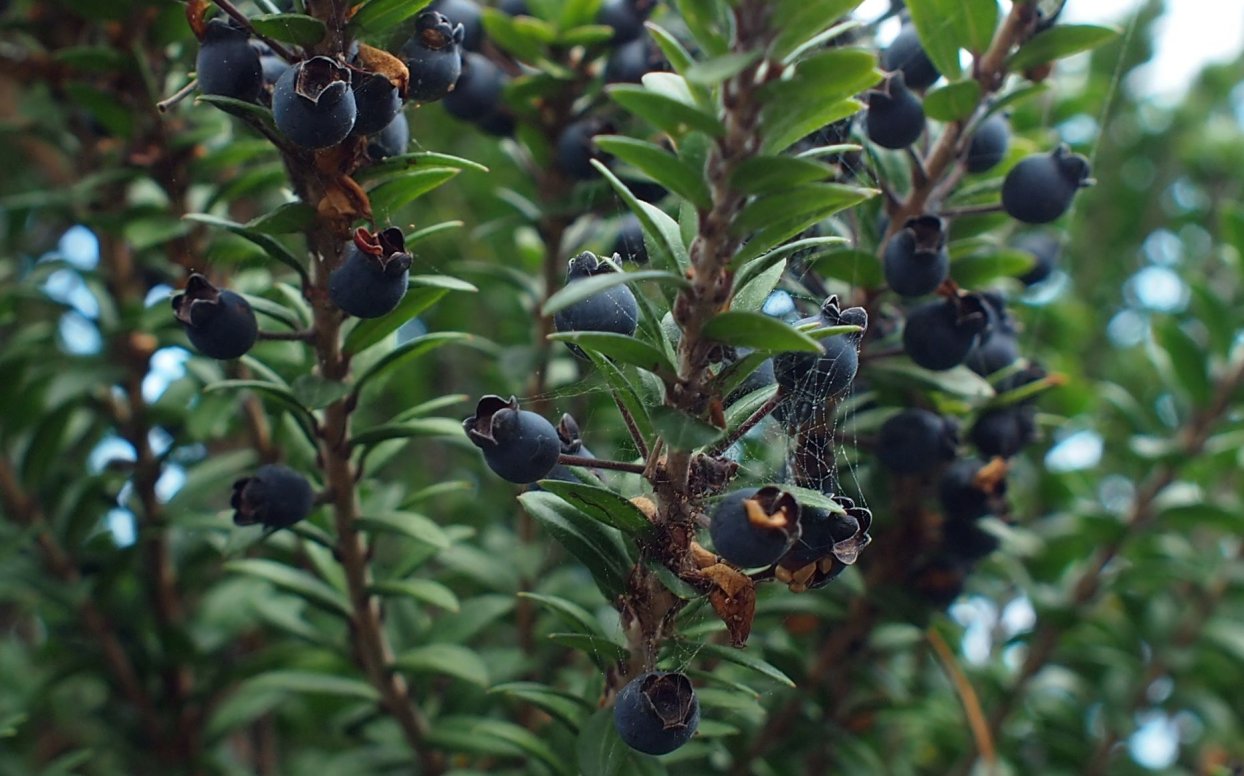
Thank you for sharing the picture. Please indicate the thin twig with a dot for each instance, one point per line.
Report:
(747, 425)
(177, 96)
(277, 47)
(303, 335)
(971, 210)
(967, 696)
(600, 463)
(637, 438)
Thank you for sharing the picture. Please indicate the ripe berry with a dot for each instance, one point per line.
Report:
(1005, 431)
(390, 141)
(313, 105)
(754, 526)
(377, 102)
(815, 377)
(916, 440)
(970, 489)
(821, 530)
(989, 144)
(274, 497)
(906, 55)
(1040, 188)
(630, 61)
(1045, 249)
(372, 277)
(433, 56)
(518, 445)
(227, 65)
(499, 124)
(612, 310)
(998, 351)
(966, 541)
(220, 324)
(626, 17)
(657, 712)
(939, 335)
(915, 260)
(761, 377)
(514, 7)
(478, 92)
(629, 244)
(895, 115)
(272, 66)
(575, 149)
(468, 14)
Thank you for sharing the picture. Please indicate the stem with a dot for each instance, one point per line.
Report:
(967, 696)
(177, 96)
(305, 335)
(637, 438)
(971, 210)
(747, 425)
(600, 463)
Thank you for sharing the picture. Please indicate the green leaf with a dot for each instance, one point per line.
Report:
(290, 218)
(953, 102)
(941, 35)
(384, 15)
(666, 113)
(819, 199)
(409, 349)
(494, 737)
(600, 752)
(309, 683)
(660, 165)
(744, 657)
(525, 37)
(279, 392)
(754, 291)
(573, 614)
(586, 35)
(1061, 40)
(315, 392)
(423, 427)
(296, 28)
(425, 159)
(267, 243)
(423, 590)
(601, 504)
(579, 290)
(978, 21)
(758, 332)
(798, 21)
(855, 267)
(300, 583)
(373, 330)
(240, 108)
(661, 233)
(960, 381)
(601, 650)
(707, 22)
(411, 525)
(395, 193)
(675, 53)
(596, 546)
(444, 660)
(768, 174)
(1188, 360)
(620, 347)
(570, 709)
(976, 269)
(681, 431)
(710, 72)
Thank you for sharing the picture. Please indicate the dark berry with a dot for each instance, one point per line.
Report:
(656, 713)
(970, 489)
(940, 581)
(1040, 188)
(313, 105)
(895, 115)
(373, 273)
(518, 445)
(629, 244)
(967, 541)
(498, 124)
(626, 17)
(274, 497)
(612, 310)
(821, 530)
(916, 440)
(830, 542)
(1045, 248)
(630, 61)
(575, 149)
(393, 140)
(468, 14)
(478, 92)
(815, 377)
(906, 54)
(514, 7)
(227, 64)
(220, 324)
(938, 335)
(1025, 376)
(1005, 431)
(272, 66)
(433, 56)
(989, 144)
(753, 527)
(761, 377)
(377, 102)
(915, 259)
(644, 190)
(998, 351)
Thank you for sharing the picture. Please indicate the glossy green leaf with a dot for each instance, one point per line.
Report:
(300, 583)
(290, 218)
(315, 392)
(661, 232)
(1061, 40)
(384, 15)
(596, 546)
(941, 33)
(759, 332)
(746, 658)
(819, 199)
(681, 431)
(768, 174)
(664, 112)
(422, 427)
(411, 348)
(374, 330)
(419, 160)
(619, 347)
(953, 102)
(423, 590)
(570, 612)
(570, 709)
(269, 244)
(444, 660)
(855, 267)
(754, 288)
(296, 28)
(397, 192)
(479, 735)
(279, 392)
(309, 683)
(600, 504)
(798, 21)
(710, 72)
(1188, 360)
(660, 165)
(579, 290)
(977, 269)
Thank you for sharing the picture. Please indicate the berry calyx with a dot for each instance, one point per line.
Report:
(433, 56)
